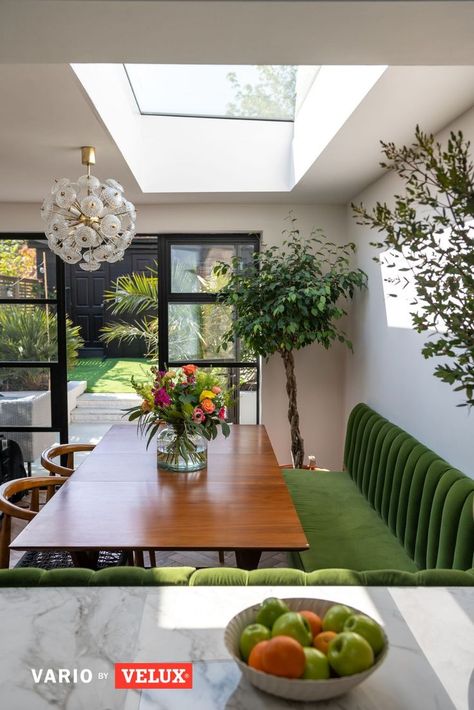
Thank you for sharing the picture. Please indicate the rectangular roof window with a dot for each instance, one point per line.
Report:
(265, 92)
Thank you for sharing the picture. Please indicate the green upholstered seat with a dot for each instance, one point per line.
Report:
(173, 576)
(398, 505)
(342, 529)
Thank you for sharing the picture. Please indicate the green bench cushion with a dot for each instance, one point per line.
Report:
(172, 576)
(343, 530)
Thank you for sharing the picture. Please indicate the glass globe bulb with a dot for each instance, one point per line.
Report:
(89, 265)
(117, 255)
(112, 197)
(114, 184)
(91, 206)
(65, 197)
(70, 256)
(110, 225)
(60, 185)
(88, 182)
(86, 237)
(47, 209)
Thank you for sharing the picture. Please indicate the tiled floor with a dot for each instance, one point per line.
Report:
(92, 433)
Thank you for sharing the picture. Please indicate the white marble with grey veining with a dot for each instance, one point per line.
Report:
(429, 665)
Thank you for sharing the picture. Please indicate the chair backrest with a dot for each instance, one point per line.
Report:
(11, 510)
(68, 450)
(426, 503)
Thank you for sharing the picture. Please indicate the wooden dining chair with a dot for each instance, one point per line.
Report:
(55, 469)
(28, 508)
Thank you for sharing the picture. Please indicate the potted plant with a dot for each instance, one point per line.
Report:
(289, 298)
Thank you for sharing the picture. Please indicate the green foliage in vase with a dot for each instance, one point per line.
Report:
(29, 332)
(431, 227)
(289, 298)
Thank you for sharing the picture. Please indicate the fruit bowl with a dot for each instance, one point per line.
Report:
(295, 689)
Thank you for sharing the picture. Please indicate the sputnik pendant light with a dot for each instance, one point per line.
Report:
(88, 221)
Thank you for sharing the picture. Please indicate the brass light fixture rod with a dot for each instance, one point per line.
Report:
(88, 156)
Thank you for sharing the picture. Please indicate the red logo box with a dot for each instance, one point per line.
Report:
(177, 676)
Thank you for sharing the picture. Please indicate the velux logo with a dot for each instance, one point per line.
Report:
(154, 675)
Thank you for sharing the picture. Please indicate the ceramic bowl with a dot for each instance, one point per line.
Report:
(303, 690)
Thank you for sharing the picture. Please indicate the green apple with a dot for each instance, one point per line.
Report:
(335, 617)
(350, 653)
(316, 666)
(294, 625)
(250, 636)
(270, 610)
(368, 628)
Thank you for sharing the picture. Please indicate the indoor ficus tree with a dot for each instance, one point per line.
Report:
(287, 298)
(431, 229)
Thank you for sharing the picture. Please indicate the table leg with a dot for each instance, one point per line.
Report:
(139, 561)
(247, 559)
(85, 558)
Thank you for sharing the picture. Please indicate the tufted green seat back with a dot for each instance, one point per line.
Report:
(426, 503)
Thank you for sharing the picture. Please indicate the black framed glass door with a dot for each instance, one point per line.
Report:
(192, 322)
(33, 346)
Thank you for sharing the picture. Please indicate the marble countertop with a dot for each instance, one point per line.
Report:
(429, 666)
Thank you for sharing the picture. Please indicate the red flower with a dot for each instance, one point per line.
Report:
(222, 413)
(189, 370)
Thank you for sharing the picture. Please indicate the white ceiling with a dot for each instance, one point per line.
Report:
(227, 32)
(45, 115)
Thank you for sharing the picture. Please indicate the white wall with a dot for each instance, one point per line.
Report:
(388, 371)
(320, 373)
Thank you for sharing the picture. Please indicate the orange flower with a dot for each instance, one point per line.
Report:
(189, 370)
(208, 406)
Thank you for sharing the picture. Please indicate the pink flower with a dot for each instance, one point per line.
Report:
(222, 413)
(162, 398)
(198, 415)
(216, 389)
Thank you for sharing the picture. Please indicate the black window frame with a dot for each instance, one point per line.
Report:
(166, 296)
(57, 368)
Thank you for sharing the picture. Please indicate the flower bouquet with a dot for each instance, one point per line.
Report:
(184, 409)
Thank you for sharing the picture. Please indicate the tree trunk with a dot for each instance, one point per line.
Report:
(297, 443)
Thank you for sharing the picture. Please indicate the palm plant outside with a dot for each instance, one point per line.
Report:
(136, 296)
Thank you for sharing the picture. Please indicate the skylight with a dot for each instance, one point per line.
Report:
(215, 91)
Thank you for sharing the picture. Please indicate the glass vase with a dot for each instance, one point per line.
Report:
(180, 451)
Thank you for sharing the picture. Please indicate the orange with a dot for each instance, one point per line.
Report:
(321, 641)
(283, 656)
(314, 621)
(256, 654)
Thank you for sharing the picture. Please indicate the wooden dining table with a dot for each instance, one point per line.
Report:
(118, 499)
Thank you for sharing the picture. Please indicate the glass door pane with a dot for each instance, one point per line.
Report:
(192, 265)
(27, 269)
(195, 331)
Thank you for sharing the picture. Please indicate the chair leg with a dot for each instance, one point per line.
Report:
(139, 561)
(221, 557)
(28, 468)
(5, 534)
(152, 558)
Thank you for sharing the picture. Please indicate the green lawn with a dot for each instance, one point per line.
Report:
(110, 375)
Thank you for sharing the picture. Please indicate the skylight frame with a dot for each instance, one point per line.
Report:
(215, 117)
